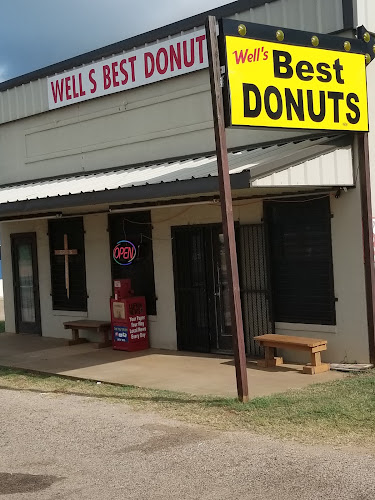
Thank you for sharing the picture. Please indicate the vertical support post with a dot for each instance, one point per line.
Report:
(227, 211)
(368, 237)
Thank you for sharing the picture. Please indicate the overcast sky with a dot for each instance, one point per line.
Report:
(37, 33)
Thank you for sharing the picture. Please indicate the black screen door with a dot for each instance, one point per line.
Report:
(201, 293)
(25, 282)
(201, 288)
(255, 286)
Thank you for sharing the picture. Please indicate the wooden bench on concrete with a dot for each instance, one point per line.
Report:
(270, 342)
(103, 327)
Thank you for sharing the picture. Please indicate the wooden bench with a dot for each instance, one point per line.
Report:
(270, 342)
(103, 327)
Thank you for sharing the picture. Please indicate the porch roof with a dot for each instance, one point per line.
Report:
(322, 161)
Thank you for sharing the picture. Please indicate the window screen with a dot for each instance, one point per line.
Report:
(301, 260)
(68, 273)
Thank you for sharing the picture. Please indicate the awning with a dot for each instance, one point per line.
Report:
(323, 161)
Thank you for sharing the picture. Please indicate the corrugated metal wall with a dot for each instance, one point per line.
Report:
(364, 14)
(324, 16)
(312, 15)
(332, 169)
(26, 100)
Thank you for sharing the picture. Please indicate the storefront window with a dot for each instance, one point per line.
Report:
(134, 228)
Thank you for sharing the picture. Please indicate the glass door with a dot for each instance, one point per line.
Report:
(25, 282)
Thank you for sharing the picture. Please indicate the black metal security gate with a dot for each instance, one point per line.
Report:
(255, 285)
(202, 312)
(194, 301)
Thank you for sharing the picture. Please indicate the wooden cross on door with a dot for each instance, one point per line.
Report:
(66, 252)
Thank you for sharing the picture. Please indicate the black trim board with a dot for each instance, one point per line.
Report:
(135, 41)
(149, 191)
(229, 27)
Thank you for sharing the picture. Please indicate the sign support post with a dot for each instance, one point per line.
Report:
(227, 211)
(368, 237)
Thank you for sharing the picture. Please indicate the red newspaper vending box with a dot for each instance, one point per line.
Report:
(129, 324)
(123, 289)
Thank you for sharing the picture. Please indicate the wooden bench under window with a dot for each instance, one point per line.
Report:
(270, 342)
(102, 327)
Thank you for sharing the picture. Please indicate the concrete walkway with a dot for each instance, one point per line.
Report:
(158, 369)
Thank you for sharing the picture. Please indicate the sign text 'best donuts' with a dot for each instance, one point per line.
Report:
(280, 85)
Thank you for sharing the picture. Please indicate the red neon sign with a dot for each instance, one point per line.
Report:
(124, 253)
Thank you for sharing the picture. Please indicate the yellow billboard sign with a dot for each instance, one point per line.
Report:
(278, 85)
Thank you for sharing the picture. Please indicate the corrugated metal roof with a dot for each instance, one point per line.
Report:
(259, 162)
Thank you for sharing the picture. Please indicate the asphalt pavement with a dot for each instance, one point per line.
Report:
(70, 447)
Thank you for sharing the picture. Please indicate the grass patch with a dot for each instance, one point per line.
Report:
(339, 412)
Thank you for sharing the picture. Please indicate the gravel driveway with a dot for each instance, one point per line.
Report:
(71, 447)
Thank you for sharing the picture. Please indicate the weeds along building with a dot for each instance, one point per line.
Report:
(118, 144)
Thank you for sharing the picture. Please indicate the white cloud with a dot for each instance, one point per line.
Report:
(3, 73)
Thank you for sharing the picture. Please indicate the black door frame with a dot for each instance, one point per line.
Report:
(222, 342)
(30, 238)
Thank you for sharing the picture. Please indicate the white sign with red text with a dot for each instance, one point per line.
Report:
(174, 57)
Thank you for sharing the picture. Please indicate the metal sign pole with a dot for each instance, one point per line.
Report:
(227, 211)
(368, 237)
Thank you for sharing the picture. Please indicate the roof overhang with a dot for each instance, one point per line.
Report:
(315, 162)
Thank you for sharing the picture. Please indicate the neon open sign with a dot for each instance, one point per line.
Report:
(124, 252)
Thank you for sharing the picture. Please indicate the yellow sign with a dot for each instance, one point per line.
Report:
(279, 85)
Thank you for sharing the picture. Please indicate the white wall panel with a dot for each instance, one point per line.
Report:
(325, 16)
(333, 169)
(364, 14)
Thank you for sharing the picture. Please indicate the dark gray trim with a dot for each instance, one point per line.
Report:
(135, 41)
(150, 191)
(348, 14)
(147, 205)
(33, 216)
